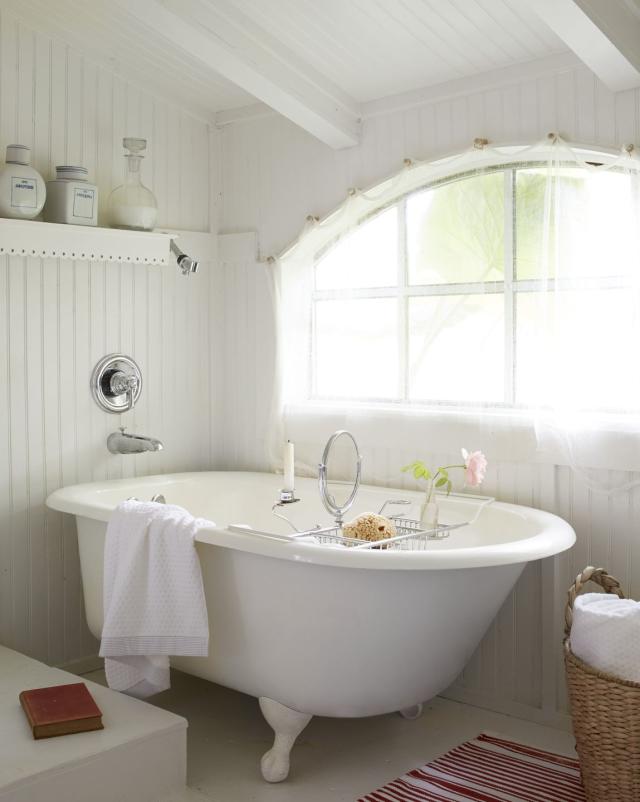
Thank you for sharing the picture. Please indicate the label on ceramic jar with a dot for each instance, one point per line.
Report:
(24, 193)
(83, 200)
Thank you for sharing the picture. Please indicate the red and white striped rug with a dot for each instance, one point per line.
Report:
(488, 769)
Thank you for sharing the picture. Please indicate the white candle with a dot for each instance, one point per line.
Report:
(289, 469)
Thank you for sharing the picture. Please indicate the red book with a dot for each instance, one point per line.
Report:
(61, 710)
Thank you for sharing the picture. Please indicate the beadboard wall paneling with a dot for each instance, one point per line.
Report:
(243, 351)
(273, 176)
(58, 317)
(70, 111)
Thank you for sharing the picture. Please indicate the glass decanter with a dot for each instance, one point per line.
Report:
(132, 205)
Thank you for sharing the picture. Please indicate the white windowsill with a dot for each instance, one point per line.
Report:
(505, 434)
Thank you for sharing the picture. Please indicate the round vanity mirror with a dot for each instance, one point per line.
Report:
(339, 474)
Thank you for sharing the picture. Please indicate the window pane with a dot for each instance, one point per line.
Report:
(455, 232)
(356, 350)
(365, 257)
(577, 348)
(595, 210)
(456, 348)
(530, 187)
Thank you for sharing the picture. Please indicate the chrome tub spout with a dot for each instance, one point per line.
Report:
(122, 442)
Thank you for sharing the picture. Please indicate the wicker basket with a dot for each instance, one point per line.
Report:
(605, 712)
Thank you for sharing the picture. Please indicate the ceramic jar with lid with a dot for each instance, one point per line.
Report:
(71, 198)
(22, 188)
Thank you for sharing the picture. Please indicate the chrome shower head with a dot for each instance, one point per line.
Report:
(185, 263)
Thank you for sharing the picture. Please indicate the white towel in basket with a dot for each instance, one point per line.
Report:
(605, 634)
(154, 604)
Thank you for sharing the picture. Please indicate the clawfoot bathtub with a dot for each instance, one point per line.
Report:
(317, 630)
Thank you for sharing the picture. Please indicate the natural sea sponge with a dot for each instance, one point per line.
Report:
(370, 526)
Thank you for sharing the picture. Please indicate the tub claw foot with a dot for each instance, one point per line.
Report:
(411, 713)
(287, 724)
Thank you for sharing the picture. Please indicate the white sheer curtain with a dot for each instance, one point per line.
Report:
(575, 287)
(580, 329)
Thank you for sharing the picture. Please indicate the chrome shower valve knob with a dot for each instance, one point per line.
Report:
(121, 383)
(116, 383)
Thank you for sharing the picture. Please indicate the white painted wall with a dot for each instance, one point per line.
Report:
(58, 317)
(273, 176)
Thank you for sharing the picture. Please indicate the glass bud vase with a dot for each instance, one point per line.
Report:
(132, 205)
(429, 514)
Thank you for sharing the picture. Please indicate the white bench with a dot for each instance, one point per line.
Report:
(140, 756)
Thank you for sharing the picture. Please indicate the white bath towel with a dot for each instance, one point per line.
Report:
(605, 633)
(154, 604)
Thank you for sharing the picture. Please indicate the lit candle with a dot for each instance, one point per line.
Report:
(289, 469)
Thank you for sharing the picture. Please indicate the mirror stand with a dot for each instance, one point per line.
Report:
(328, 500)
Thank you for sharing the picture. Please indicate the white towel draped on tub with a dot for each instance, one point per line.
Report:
(605, 633)
(154, 603)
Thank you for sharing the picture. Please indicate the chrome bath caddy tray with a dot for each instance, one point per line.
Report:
(410, 536)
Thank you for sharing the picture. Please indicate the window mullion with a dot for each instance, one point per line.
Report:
(509, 279)
(403, 302)
(472, 288)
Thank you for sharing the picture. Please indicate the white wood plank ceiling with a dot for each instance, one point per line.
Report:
(111, 36)
(319, 62)
(375, 48)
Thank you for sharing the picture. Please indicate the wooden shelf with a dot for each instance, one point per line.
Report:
(53, 240)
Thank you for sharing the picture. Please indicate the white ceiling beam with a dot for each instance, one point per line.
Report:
(604, 34)
(232, 45)
(244, 114)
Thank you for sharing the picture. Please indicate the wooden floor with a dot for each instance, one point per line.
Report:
(335, 760)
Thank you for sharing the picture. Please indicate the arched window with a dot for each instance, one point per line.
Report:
(444, 295)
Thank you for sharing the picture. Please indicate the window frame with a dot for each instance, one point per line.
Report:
(510, 287)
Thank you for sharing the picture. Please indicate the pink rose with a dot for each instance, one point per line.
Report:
(475, 467)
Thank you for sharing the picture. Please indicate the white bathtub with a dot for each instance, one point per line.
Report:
(312, 630)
